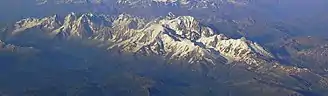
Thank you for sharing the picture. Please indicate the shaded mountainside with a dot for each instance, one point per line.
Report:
(254, 19)
(191, 50)
(203, 53)
(308, 52)
(175, 37)
(80, 70)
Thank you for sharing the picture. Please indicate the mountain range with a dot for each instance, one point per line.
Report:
(180, 40)
(163, 48)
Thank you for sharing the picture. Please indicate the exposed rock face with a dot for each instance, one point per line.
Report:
(180, 38)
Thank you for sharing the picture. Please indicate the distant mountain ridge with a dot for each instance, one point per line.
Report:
(166, 35)
(180, 38)
(259, 47)
(202, 3)
(174, 38)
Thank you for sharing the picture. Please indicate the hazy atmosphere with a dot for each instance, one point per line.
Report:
(163, 48)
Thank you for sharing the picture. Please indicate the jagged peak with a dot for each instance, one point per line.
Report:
(27, 23)
(82, 26)
(186, 27)
(181, 36)
(165, 33)
(73, 16)
(70, 17)
(130, 22)
(123, 18)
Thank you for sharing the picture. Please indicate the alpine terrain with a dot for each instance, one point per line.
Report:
(162, 48)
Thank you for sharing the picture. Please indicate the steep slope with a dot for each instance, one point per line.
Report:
(307, 51)
(174, 37)
(181, 39)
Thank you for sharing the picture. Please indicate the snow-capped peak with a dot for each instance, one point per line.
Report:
(185, 38)
(178, 38)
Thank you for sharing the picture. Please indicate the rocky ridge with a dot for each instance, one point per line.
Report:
(175, 38)
(180, 38)
(183, 3)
